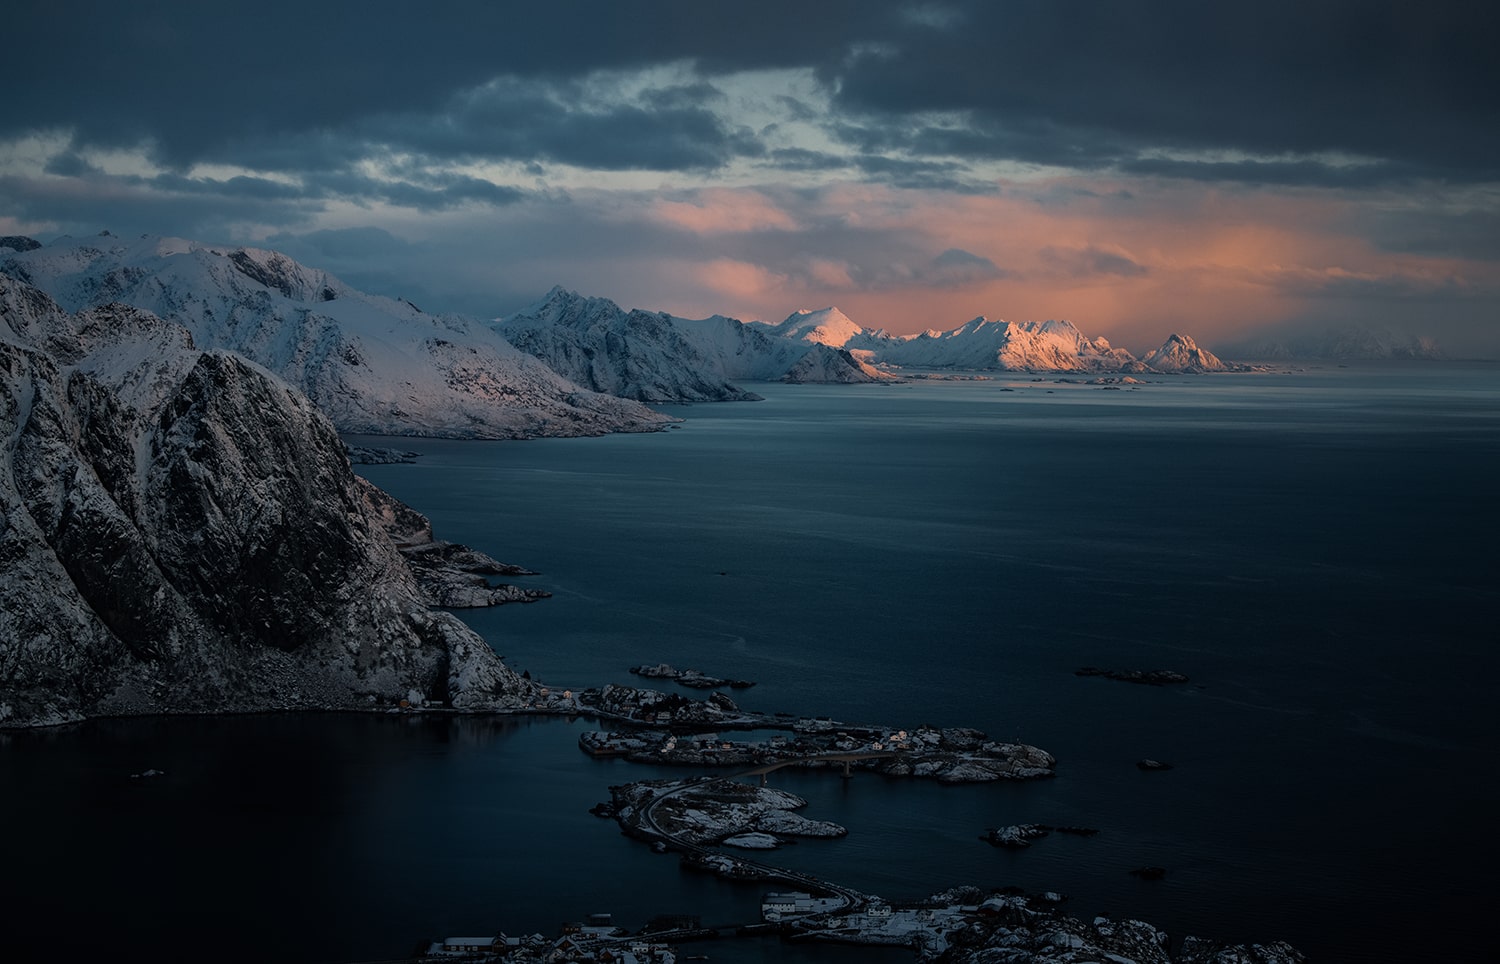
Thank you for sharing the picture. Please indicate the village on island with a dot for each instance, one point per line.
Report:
(713, 822)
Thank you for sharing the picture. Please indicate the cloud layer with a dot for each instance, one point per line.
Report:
(1132, 166)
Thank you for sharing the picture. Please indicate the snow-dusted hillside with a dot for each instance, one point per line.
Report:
(372, 364)
(654, 356)
(180, 531)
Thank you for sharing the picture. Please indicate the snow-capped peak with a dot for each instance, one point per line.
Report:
(824, 326)
(1179, 353)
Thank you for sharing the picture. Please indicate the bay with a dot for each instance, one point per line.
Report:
(1314, 549)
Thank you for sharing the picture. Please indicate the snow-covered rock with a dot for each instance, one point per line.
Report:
(1016, 836)
(752, 841)
(374, 365)
(1179, 353)
(180, 531)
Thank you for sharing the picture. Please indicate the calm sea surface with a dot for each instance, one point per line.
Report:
(1316, 550)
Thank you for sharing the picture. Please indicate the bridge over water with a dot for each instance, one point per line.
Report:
(844, 758)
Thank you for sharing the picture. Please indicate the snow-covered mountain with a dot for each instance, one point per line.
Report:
(654, 356)
(180, 531)
(1053, 346)
(657, 357)
(1179, 353)
(372, 364)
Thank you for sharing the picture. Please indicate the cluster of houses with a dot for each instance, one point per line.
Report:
(596, 942)
(655, 708)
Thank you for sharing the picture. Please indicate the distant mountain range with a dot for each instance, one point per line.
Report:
(1344, 343)
(567, 365)
(658, 357)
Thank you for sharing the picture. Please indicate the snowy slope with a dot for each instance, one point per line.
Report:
(372, 364)
(180, 531)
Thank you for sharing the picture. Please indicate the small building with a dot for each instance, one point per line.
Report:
(464, 946)
(784, 906)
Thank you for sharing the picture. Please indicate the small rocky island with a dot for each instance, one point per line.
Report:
(713, 810)
(670, 729)
(689, 677)
(1147, 677)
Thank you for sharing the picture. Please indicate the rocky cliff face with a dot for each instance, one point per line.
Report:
(181, 532)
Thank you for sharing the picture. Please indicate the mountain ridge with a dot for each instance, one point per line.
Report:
(374, 365)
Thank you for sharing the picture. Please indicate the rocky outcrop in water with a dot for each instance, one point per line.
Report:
(180, 531)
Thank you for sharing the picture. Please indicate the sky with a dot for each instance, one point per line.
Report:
(1233, 171)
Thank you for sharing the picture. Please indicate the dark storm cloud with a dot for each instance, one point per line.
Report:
(68, 164)
(801, 159)
(252, 188)
(540, 120)
(1297, 173)
(131, 206)
(930, 175)
(1471, 235)
(1401, 82)
(1059, 82)
(197, 79)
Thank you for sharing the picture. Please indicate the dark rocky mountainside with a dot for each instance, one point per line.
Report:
(181, 532)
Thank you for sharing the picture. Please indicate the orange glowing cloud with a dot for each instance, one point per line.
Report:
(1133, 266)
(723, 211)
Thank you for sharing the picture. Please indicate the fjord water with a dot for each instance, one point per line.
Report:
(1314, 549)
